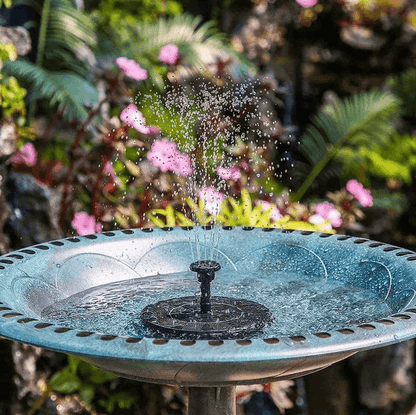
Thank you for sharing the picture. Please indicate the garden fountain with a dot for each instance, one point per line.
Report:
(275, 304)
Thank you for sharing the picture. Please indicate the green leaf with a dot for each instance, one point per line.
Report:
(62, 90)
(87, 393)
(65, 382)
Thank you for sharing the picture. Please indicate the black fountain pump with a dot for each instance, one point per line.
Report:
(206, 270)
(202, 317)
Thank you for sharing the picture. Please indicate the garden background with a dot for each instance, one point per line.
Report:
(116, 114)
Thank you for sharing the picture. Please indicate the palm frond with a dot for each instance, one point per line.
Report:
(63, 27)
(364, 119)
(197, 41)
(62, 90)
(361, 119)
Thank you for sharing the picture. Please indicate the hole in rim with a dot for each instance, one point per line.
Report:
(325, 235)
(297, 338)
(386, 322)
(84, 333)
(8, 315)
(2, 267)
(346, 331)
(42, 247)
(90, 236)
(187, 228)
(167, 228)
(188, 342)
(15, 256)
(147, 229)
(288, 230)
(411, 310)
(367, 327)
(6, 261)
(5, 308)
(375, 244)
(26, 320)
(43, 325)
(107, 337)
(268, 229)
(228, 228)
(57, 243)
(402, 316)
(306, 233)
(62, 330)
(344, 237)
(360, 240)
(323, 335)
(403, 253)
(216, 342)
(109, 234)
(206, 227)
(160, 341)
(272, 340)
(127, 231)
(73, 239)
(28, 251)
(248, 228)
(134, 339)
(243, 342)
(390, 248)
(411, 258)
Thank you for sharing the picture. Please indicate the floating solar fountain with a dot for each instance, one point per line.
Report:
(167, 306)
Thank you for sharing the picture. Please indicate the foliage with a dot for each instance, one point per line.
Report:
(65, 91)
(404, 86)
(113, 37)
(58, 75)
(232, 213)
(83, 378)
(11, 93)
(361, 120)
(395, 158)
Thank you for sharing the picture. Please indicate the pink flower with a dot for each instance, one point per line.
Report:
(132, 69)
(169, 54)
(165, 155)
(319, 220)
(275, 212)
(360, 193)
(326, 210)
(307, 3)
(212, 200)
(108, 168)
(229, 173)
(134, 118)
(26, 155)
(85, 224)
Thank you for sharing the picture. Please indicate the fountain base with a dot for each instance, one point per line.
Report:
(182, 318)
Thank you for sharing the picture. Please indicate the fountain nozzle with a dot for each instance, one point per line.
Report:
(205, 270)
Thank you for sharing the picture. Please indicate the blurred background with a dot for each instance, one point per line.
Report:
(117, 114)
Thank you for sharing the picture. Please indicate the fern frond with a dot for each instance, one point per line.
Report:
(62, 90)
(197, 41)
(362, 120)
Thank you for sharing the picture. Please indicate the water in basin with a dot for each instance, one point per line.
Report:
(299, 304)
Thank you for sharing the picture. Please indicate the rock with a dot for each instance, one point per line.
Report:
(8, 138)
(362, 38)
(18, 36)
(30, 221)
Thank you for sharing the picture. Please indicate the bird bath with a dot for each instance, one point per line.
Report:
(316, 299)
